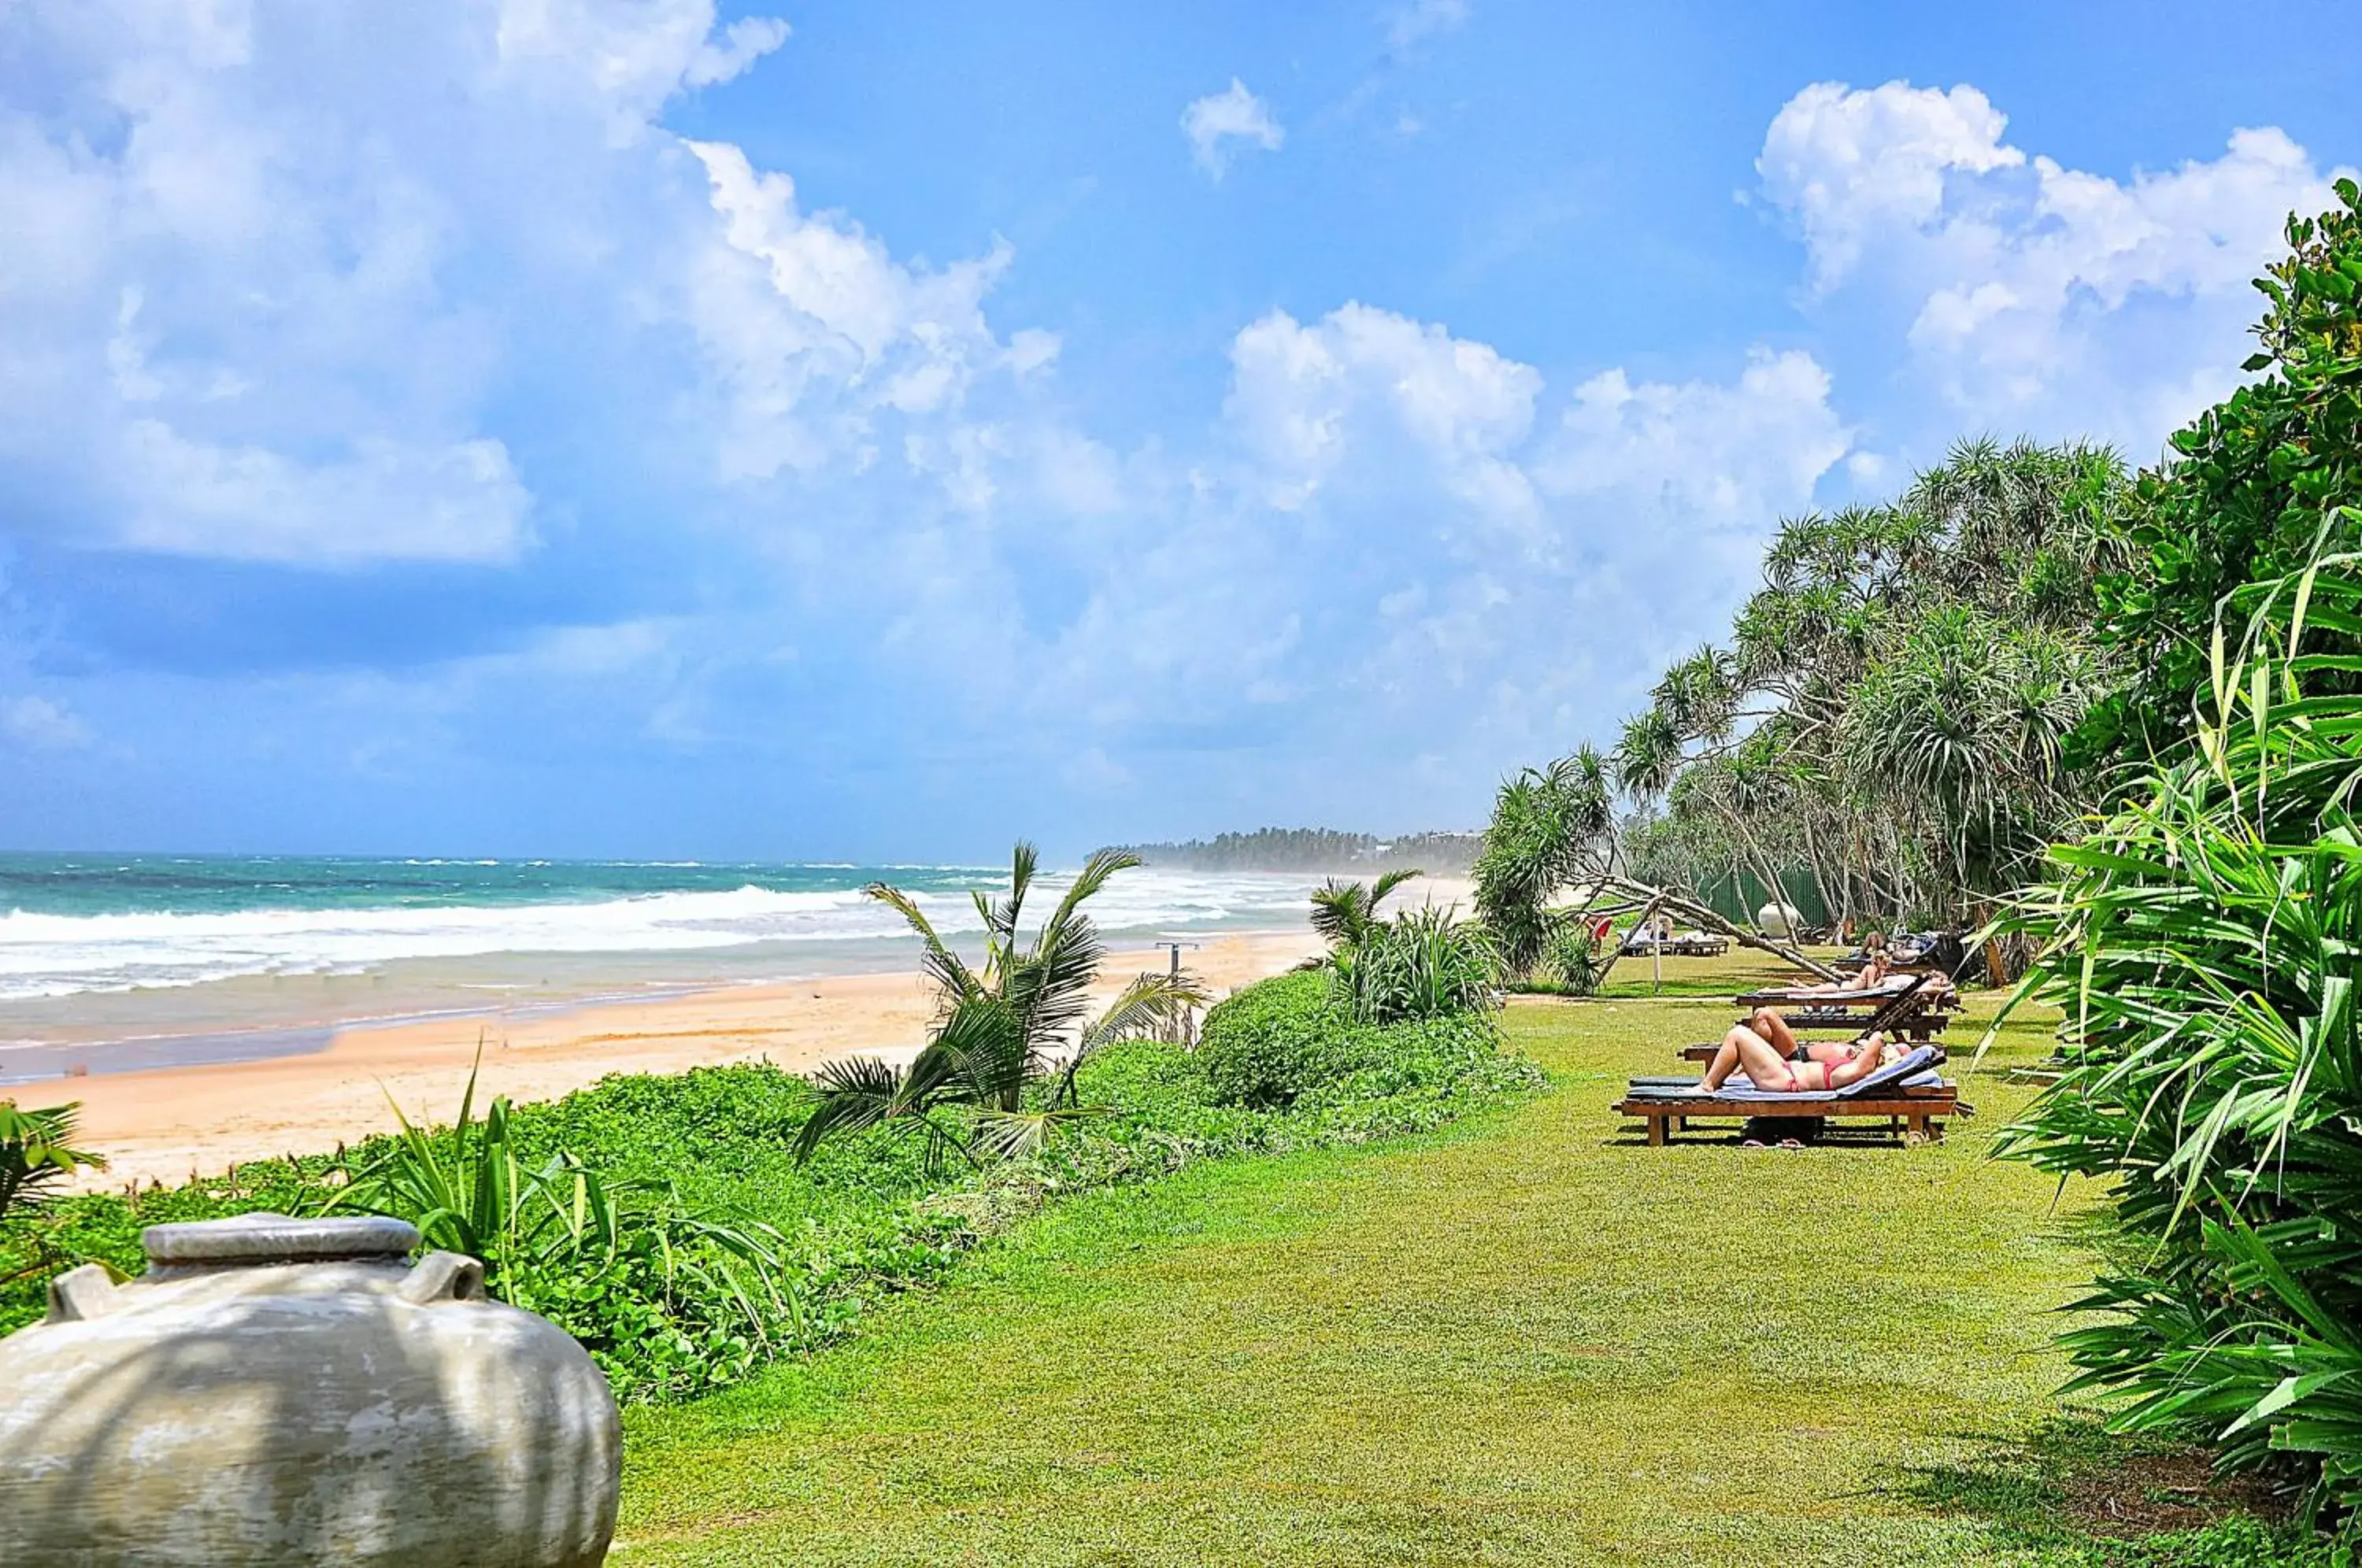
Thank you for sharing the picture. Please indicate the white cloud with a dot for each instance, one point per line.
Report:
(1413, 537)
(387, 502)
(42, 724)
(1221, 123)
(1298, 392)
(636, 54)
(812, 327)
(267, 318)
(1408, 26)
(2031, 295)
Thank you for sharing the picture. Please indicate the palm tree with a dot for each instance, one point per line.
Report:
(1344, 913)
(36, 1152)
(1000, 1029)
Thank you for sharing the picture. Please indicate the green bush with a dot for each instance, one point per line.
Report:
(1273, 1040)
(1572, 961)
(2205, 946)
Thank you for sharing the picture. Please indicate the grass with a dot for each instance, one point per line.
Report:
(1524, 1338)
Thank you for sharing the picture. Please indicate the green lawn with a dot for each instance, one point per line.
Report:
(1525, 1339)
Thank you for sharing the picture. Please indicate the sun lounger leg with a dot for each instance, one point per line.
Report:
(1656, 1132)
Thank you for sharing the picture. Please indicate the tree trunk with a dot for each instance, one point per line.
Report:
(1700, 915)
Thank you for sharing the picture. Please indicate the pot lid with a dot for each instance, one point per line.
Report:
(265, 1238)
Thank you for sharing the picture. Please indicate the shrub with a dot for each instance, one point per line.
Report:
(666, 1300)
(1273, 1040)
(2204, 944)
(1419, 965)
(1572, 959)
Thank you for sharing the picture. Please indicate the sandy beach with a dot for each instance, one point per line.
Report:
(165, 1124)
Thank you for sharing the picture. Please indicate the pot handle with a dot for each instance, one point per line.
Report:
(443, 1276)
(79, 1295)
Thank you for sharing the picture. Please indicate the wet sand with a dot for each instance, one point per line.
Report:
(166, 1123)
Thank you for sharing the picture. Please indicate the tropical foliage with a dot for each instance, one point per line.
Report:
(1886, 729)
(1552, 829)
(1423, 963)
(37, 1151)
(2245, 495)
(2204, 938)
(997, 1076)
(1291, 1044)
(665, 1298)
(2205, 944)
(1344, 913)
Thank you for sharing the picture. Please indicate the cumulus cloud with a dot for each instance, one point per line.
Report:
(1430, 548)
(1222, 125)
(263, 315)
(808, 319)
(703, 465)
(2028, 295)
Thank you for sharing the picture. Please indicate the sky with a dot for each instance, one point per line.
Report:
(875, 430)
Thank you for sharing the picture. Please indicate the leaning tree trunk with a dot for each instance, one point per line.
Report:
(1647, 913)
(1702, 916)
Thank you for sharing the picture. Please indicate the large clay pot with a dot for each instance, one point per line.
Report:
(277, 1391)
(1778, 921)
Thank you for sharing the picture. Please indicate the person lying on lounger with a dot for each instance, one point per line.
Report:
(1822, 1067)
(1876, 971)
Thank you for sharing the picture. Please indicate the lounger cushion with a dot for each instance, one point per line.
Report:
(1656, 1087)
(1894, 1074)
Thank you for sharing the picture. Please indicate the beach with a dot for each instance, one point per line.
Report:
(167, 1123)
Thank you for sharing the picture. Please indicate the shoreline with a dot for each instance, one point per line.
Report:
(168, 1124)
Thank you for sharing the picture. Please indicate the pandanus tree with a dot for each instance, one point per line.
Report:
(1891, 716)
(1553, 827)
(996, 1075)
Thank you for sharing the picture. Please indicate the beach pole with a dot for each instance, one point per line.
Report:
(1184, 1026)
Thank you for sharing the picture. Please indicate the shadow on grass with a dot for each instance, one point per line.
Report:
(2069, 1491)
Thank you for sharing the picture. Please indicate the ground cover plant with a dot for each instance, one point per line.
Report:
(671, 1225)
(1519, 1338)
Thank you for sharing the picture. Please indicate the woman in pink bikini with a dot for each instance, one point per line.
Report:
(1817, 1067)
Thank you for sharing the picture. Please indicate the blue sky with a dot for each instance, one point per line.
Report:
(618, 428)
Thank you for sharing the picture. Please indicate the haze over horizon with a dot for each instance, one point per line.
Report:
(579, 429)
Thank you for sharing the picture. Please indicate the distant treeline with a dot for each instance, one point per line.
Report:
(1315, 849)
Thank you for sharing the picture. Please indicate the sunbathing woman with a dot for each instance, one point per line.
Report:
(1770, 1068)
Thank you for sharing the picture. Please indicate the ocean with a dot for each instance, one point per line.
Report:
(112, 962)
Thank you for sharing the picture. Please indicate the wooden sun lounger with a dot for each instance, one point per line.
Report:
(1919, 1111)
(1682, 947)
(1905, 1093)
(1943, 999)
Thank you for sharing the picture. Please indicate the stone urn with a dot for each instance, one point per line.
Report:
(1778, 920)
(283, 1391)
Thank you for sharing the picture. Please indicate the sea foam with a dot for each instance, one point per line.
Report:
(51, 954)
